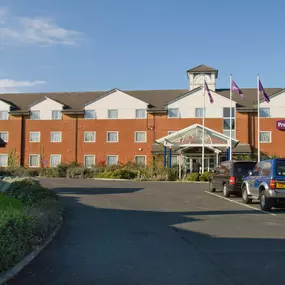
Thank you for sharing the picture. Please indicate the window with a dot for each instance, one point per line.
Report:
(140, 160)
(140, 113)
(140, 136)
(112, 114)
(266, 168)
(55, 160)
(256, 170)
(55, 115)
(34, 160)
(35, 136)
(4, 136)
(280, 167)
(89, 136)
(112, 137)
(199, 112)
(35, 115)
(227, 119)
(4, 115)
(3, 160)
(171, 132)
(89, 114)
(112, 160)
(265, 137)
(55, 137)
(174, 160)
(264, 112)
(89, 160)
(173, 113)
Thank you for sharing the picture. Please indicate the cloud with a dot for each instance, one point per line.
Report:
(37, 31)
(9, 85)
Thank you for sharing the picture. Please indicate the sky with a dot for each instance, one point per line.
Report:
(89, 45)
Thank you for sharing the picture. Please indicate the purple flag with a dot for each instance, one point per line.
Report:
(262, 91)
(236, 90)
(209, 93)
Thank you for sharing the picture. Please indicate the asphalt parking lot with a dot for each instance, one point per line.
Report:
(158, 233)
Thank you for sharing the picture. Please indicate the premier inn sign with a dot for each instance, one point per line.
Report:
(280, 125)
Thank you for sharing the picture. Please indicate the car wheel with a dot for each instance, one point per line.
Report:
(245, 197)
(265, 203)
(226, 191)
(211, 187)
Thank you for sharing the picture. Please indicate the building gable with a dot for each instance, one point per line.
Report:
(4, 106)
(118, 100)
(188, 102)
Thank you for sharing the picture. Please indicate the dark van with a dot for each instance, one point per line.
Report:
(229, 175)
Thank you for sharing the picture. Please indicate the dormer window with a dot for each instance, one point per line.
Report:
(4, 115)
(35, 115)
(56, 115)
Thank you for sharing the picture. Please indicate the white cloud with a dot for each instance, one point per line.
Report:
(38, 31)
(9, 85)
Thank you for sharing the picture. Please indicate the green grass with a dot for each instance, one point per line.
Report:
(8, 202)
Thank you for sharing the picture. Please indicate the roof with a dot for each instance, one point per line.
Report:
(202, 68)
(157, 99)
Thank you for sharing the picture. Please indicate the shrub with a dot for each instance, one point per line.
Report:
(117, 174)
(15, 236)
(194, 176)
(205, 176)
(80, 172)
(49, 172)
(29, 191)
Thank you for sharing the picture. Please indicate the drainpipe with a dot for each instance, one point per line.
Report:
(23, 143)
(76, 137)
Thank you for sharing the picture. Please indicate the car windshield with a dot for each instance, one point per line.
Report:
(242, 168)
(280, 167)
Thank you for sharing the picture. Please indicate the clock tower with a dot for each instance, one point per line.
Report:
(198, 74)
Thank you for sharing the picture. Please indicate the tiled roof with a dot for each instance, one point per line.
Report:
(202, 68)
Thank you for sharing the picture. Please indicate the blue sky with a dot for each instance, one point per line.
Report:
(131, 44)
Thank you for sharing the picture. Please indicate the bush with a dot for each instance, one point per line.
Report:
(194, 176)
(15, 236)
(80, 172)
(49, 172)
(117, 174)
(205, 176)
(29, 191)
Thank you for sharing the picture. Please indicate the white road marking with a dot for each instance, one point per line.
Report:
(242, 204)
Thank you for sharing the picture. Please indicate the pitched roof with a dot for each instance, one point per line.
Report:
(202, 68)
(75, 101)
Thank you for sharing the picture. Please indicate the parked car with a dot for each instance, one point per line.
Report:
(229, 175)
(266, 183)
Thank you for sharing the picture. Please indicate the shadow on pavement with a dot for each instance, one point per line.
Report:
(131, 247)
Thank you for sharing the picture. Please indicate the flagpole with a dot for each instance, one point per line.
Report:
(203, 136)
(231, 115)
(258, 121)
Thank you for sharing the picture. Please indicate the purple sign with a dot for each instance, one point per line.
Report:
(280, 125)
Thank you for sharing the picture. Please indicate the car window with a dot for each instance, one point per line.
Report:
(242, 168)
(256, 170)
(280, 168)
(266, 170)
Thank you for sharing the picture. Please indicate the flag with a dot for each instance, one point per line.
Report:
(209, 93)
(262, 91)
(236, 90)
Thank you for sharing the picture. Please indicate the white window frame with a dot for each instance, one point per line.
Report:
(90, 141)
(177, 113)
(6, 118)
(202, 112)
(135, 138)
(270, 134)
(52, 111)
(32, 154)
(35, 111)
(35, 141)
(140, 110)
(94, 111)
(51, 157)
(5, 132)
(5, 155)
(269, 116)
(145, 158)
(112, 141)
(113, 110)
(94, 159)
(54, 133)
(229, 118)
(110, 156)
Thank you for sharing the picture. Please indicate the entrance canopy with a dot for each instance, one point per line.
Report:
(193, 136)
